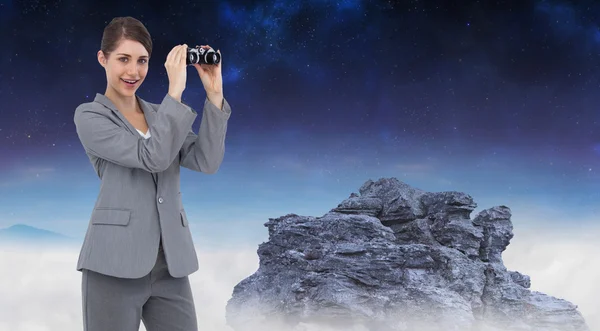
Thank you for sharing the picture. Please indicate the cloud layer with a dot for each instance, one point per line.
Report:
(42, 291)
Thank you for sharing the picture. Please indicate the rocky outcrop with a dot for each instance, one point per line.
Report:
(394, 258)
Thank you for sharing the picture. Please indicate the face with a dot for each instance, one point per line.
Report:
(129, 62)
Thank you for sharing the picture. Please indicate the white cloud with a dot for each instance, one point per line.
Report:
(564, 263)
(42, 290)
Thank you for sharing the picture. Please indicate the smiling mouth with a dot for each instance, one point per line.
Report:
(132, 82)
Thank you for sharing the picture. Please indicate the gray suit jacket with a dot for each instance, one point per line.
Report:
(140, 197)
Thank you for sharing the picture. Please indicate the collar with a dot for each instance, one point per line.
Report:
(147, 109)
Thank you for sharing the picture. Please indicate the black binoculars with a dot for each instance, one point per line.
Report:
(199, 55)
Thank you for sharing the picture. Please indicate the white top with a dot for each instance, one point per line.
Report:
(146, 136)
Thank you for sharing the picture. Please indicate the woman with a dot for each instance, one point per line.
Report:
(138, 250)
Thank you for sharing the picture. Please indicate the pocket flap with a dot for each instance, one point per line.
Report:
(111, 216)
(184, 220)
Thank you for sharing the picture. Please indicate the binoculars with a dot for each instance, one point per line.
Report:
(199, 55)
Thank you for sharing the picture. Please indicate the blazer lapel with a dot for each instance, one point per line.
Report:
(148, 110)
(104, 100)
(149, 115)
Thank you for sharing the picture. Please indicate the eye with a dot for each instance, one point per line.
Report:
(123, 59)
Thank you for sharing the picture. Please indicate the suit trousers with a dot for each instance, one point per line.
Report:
(161, 301)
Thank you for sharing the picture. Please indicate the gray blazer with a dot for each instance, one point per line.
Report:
(140, 198)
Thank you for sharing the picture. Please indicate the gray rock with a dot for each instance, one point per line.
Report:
(520, 279)
(393, 258)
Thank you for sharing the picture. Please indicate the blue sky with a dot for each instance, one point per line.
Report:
(496, 100)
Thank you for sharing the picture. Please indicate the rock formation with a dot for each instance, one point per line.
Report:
(394, 258)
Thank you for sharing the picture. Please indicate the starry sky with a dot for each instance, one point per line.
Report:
(498, 99)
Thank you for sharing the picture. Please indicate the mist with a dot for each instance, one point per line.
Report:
(41, 290)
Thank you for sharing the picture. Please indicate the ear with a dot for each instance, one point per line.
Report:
(101, 58)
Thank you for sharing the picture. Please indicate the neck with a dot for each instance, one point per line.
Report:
(124, 104)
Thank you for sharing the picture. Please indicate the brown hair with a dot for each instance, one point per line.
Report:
(125, 28)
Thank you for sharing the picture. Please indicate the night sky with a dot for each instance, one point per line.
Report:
(498, 99)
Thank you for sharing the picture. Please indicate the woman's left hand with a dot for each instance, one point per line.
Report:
(210, 74)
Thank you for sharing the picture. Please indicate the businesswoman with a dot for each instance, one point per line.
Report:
(138, 250)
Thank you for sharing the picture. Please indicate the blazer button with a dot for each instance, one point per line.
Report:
(160, 200)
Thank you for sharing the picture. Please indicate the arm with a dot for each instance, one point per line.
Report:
(101, 137)
(204, 152)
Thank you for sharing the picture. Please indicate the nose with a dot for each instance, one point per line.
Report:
(132, 69)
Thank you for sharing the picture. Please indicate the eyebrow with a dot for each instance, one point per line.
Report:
(130, 55)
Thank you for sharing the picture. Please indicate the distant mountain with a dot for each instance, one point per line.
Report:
(25, 234)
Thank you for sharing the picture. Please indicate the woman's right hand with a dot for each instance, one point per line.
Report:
(177, 71)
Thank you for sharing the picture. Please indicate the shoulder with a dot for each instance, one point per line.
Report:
(92, 107)
(85, 105)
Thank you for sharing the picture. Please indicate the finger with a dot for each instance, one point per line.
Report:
(171, 54)
(200, 71)
(202, 67)
(182, 54)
